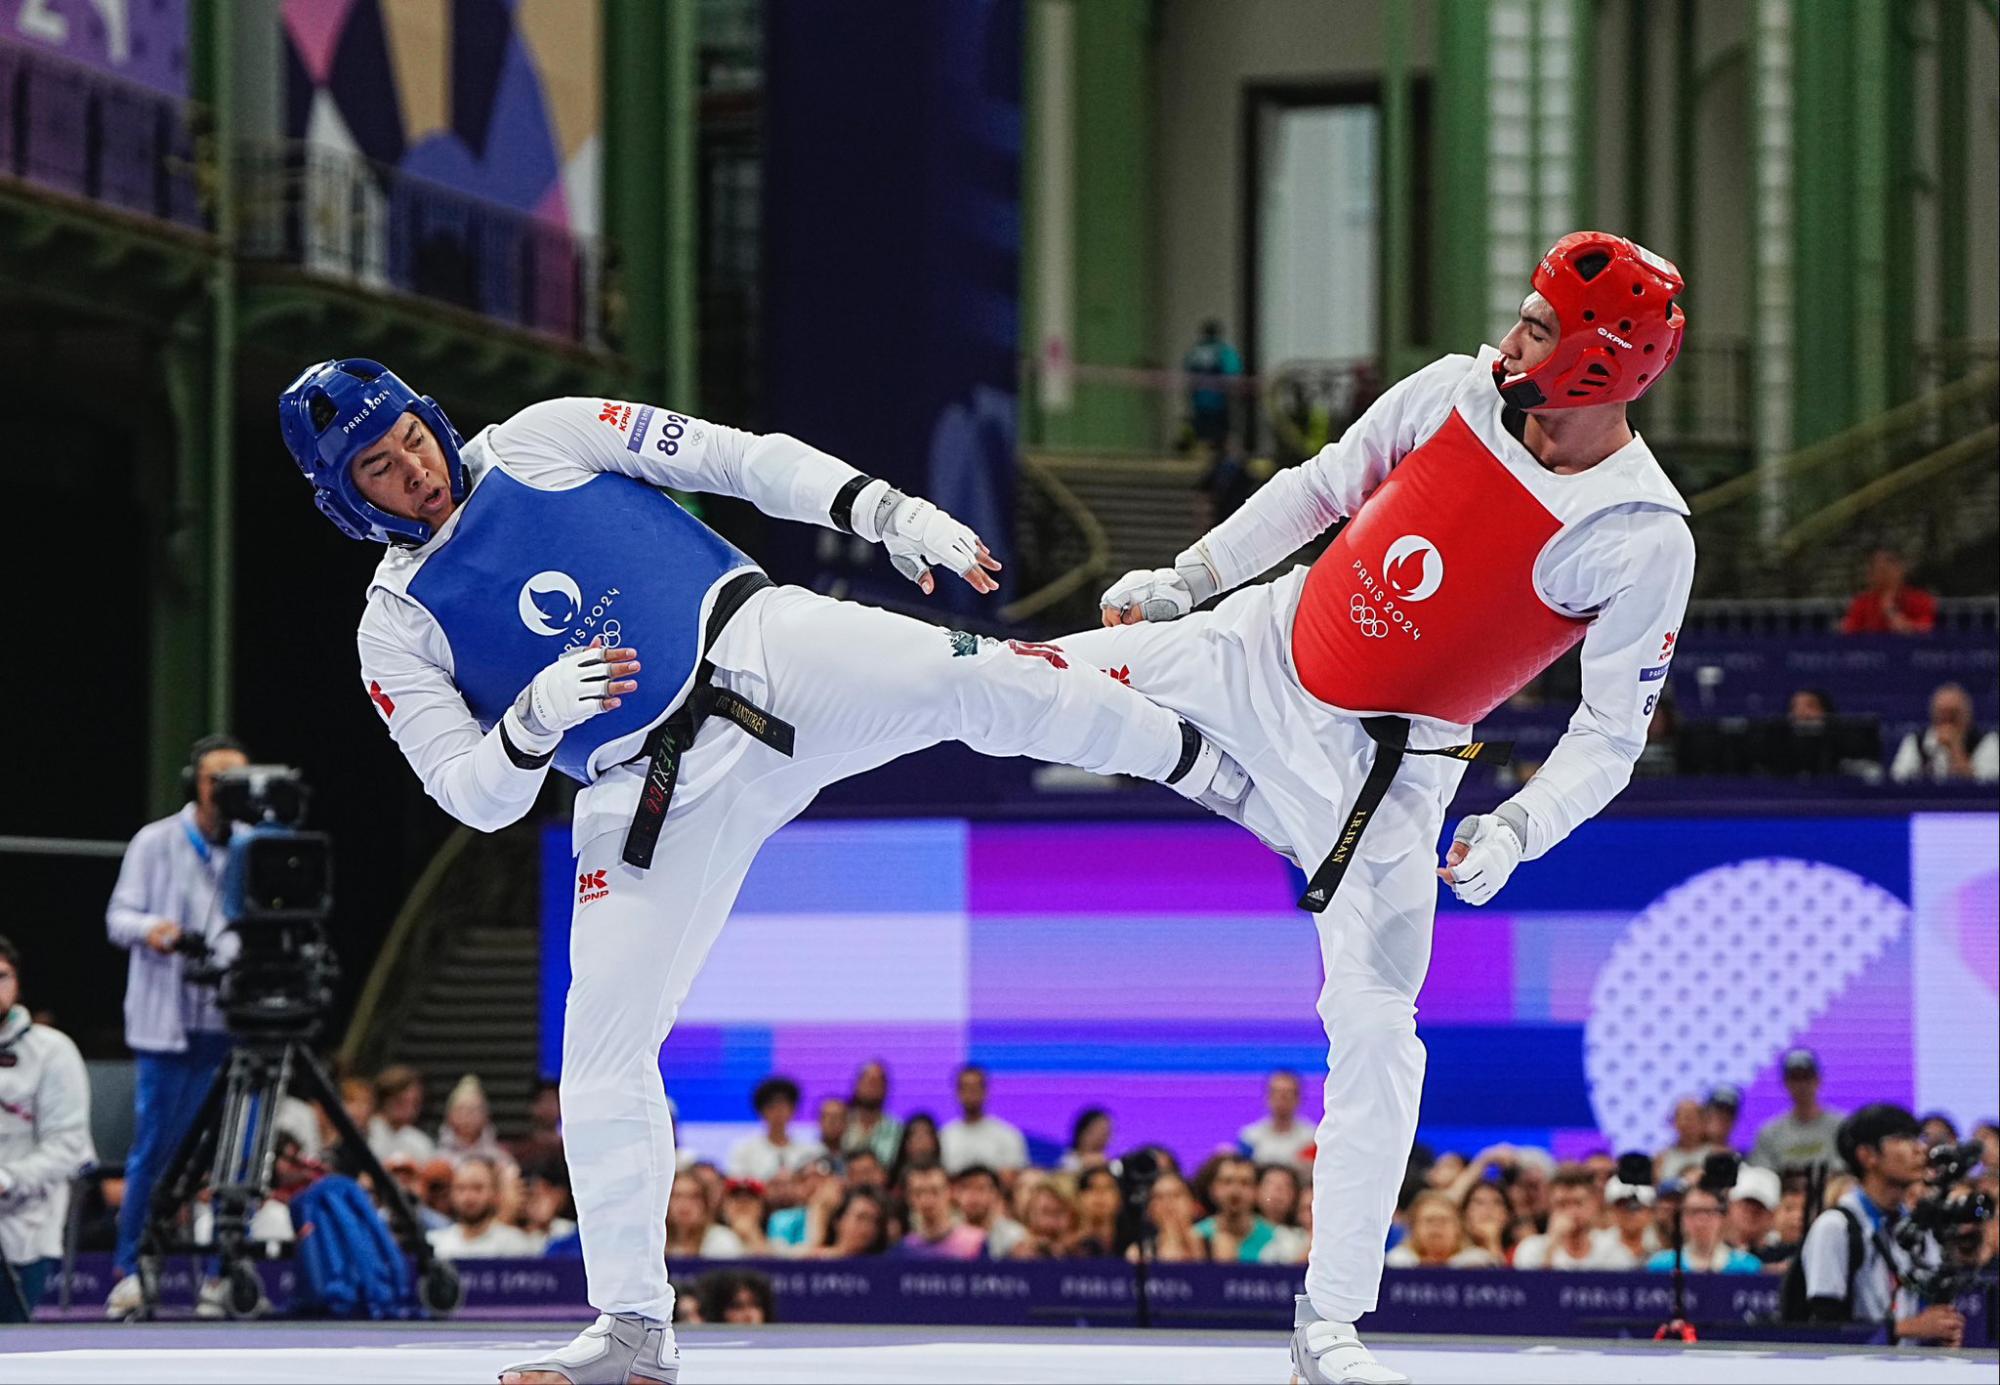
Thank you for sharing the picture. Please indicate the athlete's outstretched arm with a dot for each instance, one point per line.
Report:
(1298, 504)
(1635, 566)
(783, 477)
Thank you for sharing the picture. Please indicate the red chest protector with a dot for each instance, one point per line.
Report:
(1425, 604)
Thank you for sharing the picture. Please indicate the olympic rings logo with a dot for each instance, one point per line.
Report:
(1362, 614)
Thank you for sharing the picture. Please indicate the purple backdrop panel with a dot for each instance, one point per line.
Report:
(1471, 979)
(1863, 1041)
(143, 41)
(1079, 968)
(1123, 868)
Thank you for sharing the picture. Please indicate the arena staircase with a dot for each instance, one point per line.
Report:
(456, 986)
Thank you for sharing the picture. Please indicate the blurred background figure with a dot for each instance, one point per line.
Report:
(44, 1142)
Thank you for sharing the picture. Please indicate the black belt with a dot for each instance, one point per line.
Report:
(671, 738)
(1392, 742)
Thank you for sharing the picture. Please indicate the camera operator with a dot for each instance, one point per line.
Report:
(1857, 1268)
(166, 909)
(44, 1143)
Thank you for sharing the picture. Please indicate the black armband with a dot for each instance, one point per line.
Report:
(841, 512)
(521, 758)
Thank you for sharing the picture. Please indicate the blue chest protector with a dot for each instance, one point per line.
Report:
(528, 573)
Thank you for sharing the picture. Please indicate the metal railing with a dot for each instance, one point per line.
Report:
(1819, 615)
(341, 216)
(86, 134)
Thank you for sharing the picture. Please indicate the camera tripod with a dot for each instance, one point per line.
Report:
(232, 1148)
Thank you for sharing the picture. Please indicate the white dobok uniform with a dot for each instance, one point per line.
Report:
(860, 685)
(1619, 556)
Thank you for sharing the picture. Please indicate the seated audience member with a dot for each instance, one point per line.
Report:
(869, 1124)
(1718, 1117)
(920, 1145)
(399, 1101)
(1050, 1224)
(743, 1212)
(1936, 1129)
(935, 1231)
(864, 1170)
(1234, 1231)
(832, 1119)
(546, 1210)
(477, 1231)
(44, 1143)
(1099, 1198)
(409, 1175)
(1280, 1137)
(1753, 1213)
(1879, 1144)
(1279, 1192)
(977, 1137)
(1703, 1250)
(858, 1226)
(1444, 1171)
(1631, 1213)
(1888, 605)
(787, 1228)
(1804, 1134)
(772, 1150)
(543, 1142)
(1089, 1141)
(741, 1298)
(1683, 1158)
(357, 1098)
(692, 1231)
(1170, 1221)
(1527, 1187)
(1574, 1241)
(1437, 1237)
(1488, 1220)
(975, 1193)
(1952, 749)
(467, 1127)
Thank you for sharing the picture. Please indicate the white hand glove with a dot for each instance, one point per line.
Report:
(569, 692)
(1492, 849)
(917, 534)
(1159, 593)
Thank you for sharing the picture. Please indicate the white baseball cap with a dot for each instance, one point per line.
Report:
(1760, 1185)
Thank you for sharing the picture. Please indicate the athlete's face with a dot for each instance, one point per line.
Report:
(404, 473)
(1533, 337)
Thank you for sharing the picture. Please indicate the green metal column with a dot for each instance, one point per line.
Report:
(1458, 237)
(1772, 246)
(1826, 335)
(1583, 86)
(1396, 193)
(1109, 228)
(1869, 33)
(215, 35)
(683, 269)
(1638, 138)
(1687, 162)
(1952, 97)
(635, 208)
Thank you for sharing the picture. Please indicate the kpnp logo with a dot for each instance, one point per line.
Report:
(1413, 568)
(549, 601)
(590, 886)
(615, 414)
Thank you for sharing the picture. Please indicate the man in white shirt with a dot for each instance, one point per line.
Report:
(975, 1137)
(1497, 510)
(476, 1231)
(44, 1143)
(168, 899)
(399, 1103)
(1281, 1137)
(1574, 1240)
(1952, 749)
(1881, 1147)
(524, 573)
(773, 1150)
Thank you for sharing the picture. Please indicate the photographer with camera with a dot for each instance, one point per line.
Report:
(1865, 1259)
(165, 911)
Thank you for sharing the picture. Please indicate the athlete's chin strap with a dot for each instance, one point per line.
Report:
(1392, 742)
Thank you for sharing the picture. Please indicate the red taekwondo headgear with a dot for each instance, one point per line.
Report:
(1621, 327)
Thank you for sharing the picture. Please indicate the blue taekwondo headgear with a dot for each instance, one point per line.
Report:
(335, 410)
